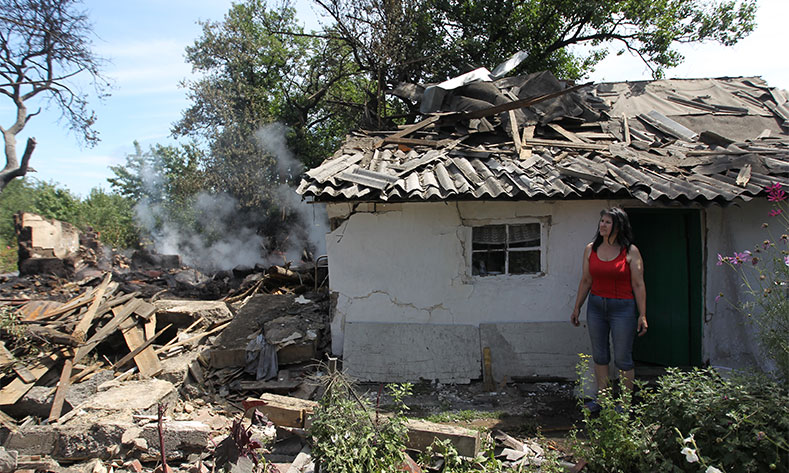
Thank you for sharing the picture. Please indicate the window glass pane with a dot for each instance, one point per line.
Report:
(489, 237)
(524, 262)
(486, 263)
(525, 235)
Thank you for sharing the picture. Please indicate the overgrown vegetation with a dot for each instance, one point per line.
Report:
(691, 421)
(465, 415)
(352, 436)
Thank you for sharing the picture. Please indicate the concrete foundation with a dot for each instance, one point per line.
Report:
(410, 352)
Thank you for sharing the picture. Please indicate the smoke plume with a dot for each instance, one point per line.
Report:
(226, 241)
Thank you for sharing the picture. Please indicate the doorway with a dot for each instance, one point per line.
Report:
(670, 242)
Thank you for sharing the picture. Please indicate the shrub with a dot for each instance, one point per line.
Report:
(350, 436)
(738, 424)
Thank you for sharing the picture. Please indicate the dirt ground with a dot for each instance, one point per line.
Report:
(521, 409)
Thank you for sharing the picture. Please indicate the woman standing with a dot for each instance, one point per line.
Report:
(613, 272)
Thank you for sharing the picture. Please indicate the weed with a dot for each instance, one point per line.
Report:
(463, 416)
(351, 436)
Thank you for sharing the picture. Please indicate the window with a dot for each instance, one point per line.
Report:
(506, 249)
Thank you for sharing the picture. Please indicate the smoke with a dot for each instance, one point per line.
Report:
(225, 239)
(312, 218)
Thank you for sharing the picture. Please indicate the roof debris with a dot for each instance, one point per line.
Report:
(534, 137)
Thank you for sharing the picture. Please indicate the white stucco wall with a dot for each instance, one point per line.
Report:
(728, 338)
(410, 264)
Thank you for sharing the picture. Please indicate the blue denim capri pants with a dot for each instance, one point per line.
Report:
(619, 317)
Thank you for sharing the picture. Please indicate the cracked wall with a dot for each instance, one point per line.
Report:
(408, 266)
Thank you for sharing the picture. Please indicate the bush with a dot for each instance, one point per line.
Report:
(738, 424)
(349, 434)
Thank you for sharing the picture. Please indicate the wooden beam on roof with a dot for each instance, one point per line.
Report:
(407, 131)
(413, 142)
(567, 134)
(568, 144)
(516, 136)
(528, 134)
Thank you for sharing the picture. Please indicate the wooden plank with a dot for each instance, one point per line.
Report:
(413, 142)
(150, 326)
(191, 339)
(626, 127)
(528, 134)
(6, 357)
(487, 370)
(140, 348)
(568, 144)
(18, 388)
(60, 394)
(121, 314)
(516, 136)
(407, 131)
(567, 134)
(146, 359)
(25, 374)
(283, 411)
(32, 310)
(81, 330)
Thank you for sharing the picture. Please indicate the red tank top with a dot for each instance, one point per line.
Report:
(611, 279)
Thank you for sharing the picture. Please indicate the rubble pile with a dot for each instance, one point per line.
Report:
(137, 363)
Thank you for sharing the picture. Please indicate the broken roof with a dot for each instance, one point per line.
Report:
(533, 137)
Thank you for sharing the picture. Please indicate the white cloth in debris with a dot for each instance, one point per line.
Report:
(261, 359)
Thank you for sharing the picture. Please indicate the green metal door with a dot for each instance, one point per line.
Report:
(670, 243)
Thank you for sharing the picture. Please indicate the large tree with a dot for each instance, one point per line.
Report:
(45, 53)
(260, 66)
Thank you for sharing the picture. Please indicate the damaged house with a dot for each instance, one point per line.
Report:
(456, 242)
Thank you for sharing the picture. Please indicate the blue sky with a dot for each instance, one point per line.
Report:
(145, 42)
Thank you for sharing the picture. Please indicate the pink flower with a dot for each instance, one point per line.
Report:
(775, 212)
(786, 260)
(740, 257)
(718, 297)
(775, 193)
(722, 259)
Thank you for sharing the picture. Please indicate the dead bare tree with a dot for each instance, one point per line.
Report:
(45, 53)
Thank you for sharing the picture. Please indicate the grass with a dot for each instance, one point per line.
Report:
(463, 416)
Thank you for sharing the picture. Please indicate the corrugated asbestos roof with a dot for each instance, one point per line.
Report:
(680, 140)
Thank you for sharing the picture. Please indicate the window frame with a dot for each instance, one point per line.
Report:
(542, 248)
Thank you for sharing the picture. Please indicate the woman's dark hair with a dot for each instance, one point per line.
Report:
(624, 237)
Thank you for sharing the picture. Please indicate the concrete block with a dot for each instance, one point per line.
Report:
(181, 439)
(139, 397)
(78, 442)
(46, 238)
(534, 348)
(175, 369)
(33, 440)
(422, 434)
(401, 352)
(8, 460)
(285, 411)
(182, 313)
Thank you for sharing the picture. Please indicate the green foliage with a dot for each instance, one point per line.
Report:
(112, 216)
(166, 179)
(738, 424)
(454, 463)
(617, 439)
(462, 416)
(688, 422)
(648, 29)
(350, 437)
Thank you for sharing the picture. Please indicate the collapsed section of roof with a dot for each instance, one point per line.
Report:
(536, 137)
